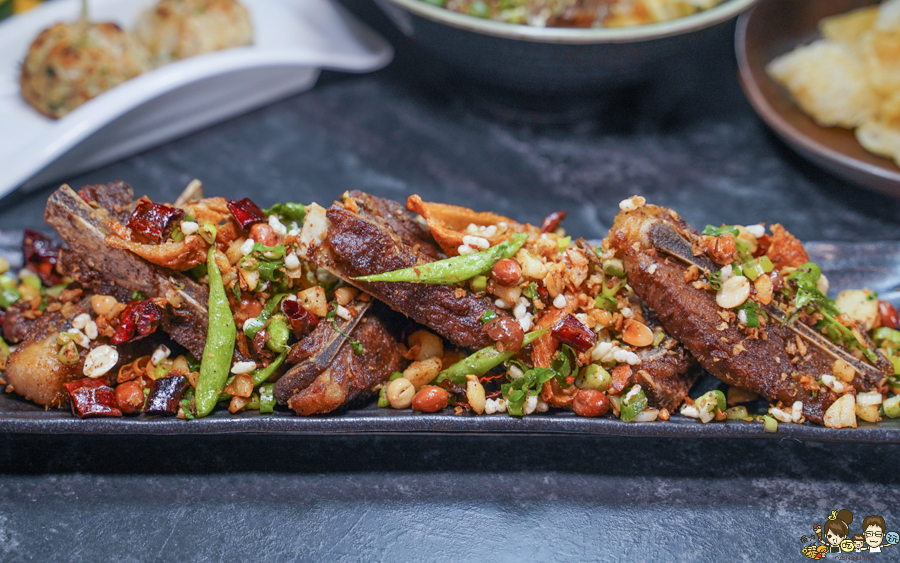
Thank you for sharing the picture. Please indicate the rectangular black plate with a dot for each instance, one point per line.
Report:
(872, 265)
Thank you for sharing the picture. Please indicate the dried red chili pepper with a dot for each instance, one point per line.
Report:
(573, 332)
(302, 321)
(137, 320)
(153, 222)
(246, 213)
(92, 397)
(552, 221)
(41, 256)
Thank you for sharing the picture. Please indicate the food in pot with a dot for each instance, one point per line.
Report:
(851, 76)
(578, 13)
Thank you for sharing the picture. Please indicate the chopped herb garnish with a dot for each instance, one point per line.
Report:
(137, 295)
(564, 365)
(517, 391)
(804, 280)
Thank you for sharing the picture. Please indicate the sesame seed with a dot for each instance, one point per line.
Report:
(756, 230)
(80, 321)
(476, 242)
(243, 367)
(291, 262)
(526, 322)
(91, 331)
(277, 225)
(189, 227)
(161, 353)
(514, 372)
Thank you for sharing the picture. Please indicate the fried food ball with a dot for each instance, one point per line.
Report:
(68, 64)
(177, 29)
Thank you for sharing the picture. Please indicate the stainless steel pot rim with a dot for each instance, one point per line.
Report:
(707, 18)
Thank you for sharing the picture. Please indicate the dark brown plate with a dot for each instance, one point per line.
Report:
(773, 28)
(873, 265)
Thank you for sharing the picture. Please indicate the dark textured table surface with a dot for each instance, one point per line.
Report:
(689, 141)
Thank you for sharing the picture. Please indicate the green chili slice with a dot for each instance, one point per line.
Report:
(220, 335)
(267, 398)
(892, 407)
(456, 269)
(635, 406)
(257, 324)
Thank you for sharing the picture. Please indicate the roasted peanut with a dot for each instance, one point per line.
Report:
(733, 293)
(129, 396)
(430, 398)
(590, 403)
(722, 249)
(102, 304)
(425, 345)
(421, 373)
(400, 393)
(507, 272)
(637, 333)
(475, 394)
(263, 234)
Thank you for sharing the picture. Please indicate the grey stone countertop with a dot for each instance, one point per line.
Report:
(691, 142)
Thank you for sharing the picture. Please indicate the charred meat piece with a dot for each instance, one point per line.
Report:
(83, 226)
(667, 371)
(666, 374)
(340, 372)
(368, 235)
(781, 362)
(18, 321)
(34, 370)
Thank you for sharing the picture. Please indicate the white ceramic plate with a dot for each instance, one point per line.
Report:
(293, 41)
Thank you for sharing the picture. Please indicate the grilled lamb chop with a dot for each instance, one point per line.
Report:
(95, 265)
(657, 248)
(331, 373)
(369, 235)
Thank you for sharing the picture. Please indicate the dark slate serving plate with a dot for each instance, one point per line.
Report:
(873, 265)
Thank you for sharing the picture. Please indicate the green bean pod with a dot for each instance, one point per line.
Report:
(453, 270)
(217, 354)
(261, 375)
(483, 361)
